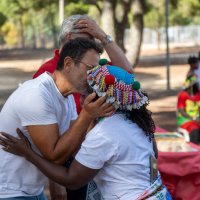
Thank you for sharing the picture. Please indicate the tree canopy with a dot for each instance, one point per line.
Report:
(29, 23)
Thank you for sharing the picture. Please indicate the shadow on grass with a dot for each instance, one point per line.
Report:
(160, 94)
(155, 61)
(25, 54)
(147, 80)
(15, 73)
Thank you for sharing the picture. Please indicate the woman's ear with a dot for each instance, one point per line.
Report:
(68, 62)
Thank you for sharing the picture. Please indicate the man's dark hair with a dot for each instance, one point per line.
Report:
(192, 60)
(76, 49)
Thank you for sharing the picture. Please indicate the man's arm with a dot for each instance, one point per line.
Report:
(116, 55)
(58, 148)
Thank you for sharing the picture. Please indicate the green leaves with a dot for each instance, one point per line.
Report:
(182, 12)
(3, 19)
(76, 8)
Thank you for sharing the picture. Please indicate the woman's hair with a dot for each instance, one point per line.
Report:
(143, 118)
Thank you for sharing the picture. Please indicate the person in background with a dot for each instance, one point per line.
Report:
(81, 26)
(44, 109)
(117, 152)
(194, 63)
(188, 108)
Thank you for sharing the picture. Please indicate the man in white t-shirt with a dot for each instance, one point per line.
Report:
(44, 109)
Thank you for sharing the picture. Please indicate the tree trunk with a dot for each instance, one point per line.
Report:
(53, 29)
(120, 29)
(107, 18)
(121, 24)
(41, 35)
(158, 38)
(22, 40)
(136, 31)
(34, 39)
(42, 40)
(35, 34)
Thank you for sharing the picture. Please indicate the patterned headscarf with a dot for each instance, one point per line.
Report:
(122, 90)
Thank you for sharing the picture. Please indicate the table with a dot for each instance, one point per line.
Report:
(180, 172)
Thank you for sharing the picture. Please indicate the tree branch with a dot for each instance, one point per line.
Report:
(95, 3)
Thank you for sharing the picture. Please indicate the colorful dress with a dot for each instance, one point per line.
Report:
(191, 105)
(157, 191)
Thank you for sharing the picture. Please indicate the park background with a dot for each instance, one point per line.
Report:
(29, 34)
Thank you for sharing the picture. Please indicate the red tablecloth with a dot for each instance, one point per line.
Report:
(180, 172)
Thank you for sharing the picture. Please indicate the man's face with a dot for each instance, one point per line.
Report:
(79, 79)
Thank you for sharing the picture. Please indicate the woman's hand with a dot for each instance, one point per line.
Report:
(18, 146)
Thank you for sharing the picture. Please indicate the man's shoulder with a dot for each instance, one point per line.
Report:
(36, 87)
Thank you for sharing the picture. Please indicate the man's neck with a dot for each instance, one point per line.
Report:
(61, 83)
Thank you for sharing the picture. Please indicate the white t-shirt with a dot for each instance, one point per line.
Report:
(197, 72)
(36, 102)
(120, 149)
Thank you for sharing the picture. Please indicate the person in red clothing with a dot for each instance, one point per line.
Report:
(83, 26)
(73, 27)
(188, 108)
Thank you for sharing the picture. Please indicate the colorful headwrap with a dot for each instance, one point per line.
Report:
(191, 80)
(122, 90)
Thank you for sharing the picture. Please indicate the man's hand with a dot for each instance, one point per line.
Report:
(57, 192)
(115, 54)
(89, 26)
(98, 108)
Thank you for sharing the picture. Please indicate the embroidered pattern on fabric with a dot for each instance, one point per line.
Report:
(93, 192)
